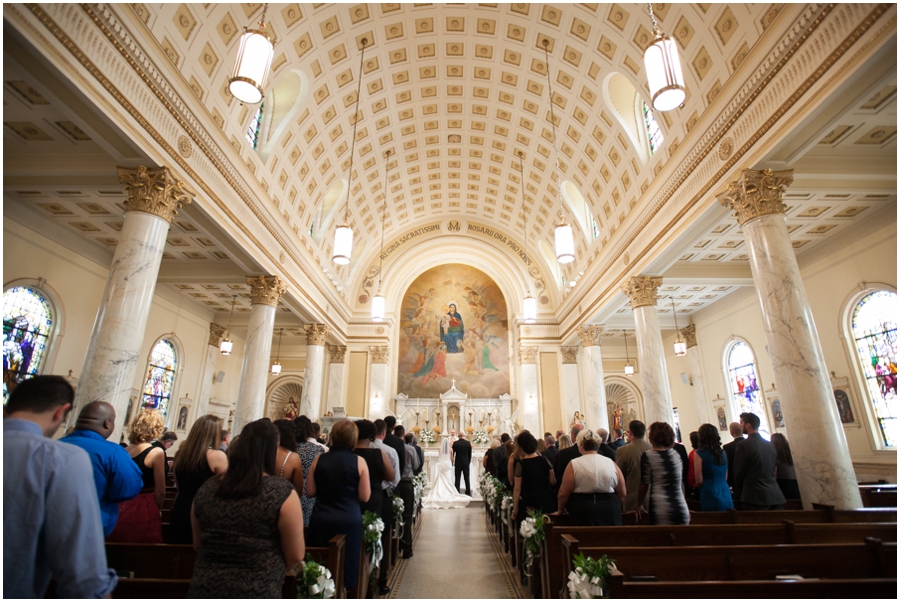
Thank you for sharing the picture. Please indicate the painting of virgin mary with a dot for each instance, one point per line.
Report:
(452, 329)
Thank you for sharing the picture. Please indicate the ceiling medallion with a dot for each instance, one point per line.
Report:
(627, 258)
(185, 147)
(379, 330)
(726, 148)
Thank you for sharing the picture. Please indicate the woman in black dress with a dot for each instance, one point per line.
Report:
(197, 460)
(533, 479)
(248, 525)
(379, 464)
(339, 480)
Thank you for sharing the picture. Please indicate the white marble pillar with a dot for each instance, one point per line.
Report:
(153, 198)
(596, 414)
(335, 394)
(216, 333)
(571, 401)
(819, 447)
(251, 401)
(312, 404)
(379, 381)
(651, 356)
(529, 404)
(693, 351)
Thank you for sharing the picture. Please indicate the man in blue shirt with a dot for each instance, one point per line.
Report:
(116, 475)
(51, 517)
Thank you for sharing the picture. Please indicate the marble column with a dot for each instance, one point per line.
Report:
(335, 393)
(216, 333)
(651, 356)
(819, 447)
(312, 404)
(153, 198)
(251, 401)
(571, 401)
(529, 413)
(596, 414)
(379, 381)
(693, 351)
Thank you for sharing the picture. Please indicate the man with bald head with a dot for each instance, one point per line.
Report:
(116, 475)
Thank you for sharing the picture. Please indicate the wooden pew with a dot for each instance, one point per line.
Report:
(151, 560)
(331, 558)
(158, 589)
(879, 496)
(873, 515)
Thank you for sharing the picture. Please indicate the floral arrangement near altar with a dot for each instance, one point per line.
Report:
(588, 580)
(420, 481)
(373, 527)
(399, 507)
(481, 437)
(532, 530)
(314, 581)
(427, 437)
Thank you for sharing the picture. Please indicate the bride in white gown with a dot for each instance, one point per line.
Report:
(443, 492)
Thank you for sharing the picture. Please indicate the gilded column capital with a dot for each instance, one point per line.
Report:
(528, 355)
(337, 353)
(216, 334)
(590, 335)
(153, 190)
(642, 290)
(569, 355)
(316, 334)
(265, 290)
(757, 193)
(379, 353)
(689, 333)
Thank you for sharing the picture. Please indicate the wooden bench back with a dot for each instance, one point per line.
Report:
(158, 589)
(151, 560)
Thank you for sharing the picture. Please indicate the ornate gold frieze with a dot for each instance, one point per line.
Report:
(590, 335)
(569, 355)
(216, 334)
(337, 353)
(689, 333)
(316, 334)
(757, 193)
(642, 290)
(528, 355)
(379, 353)
(153, 190)
(265, 290)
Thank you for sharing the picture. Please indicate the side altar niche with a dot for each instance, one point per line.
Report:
(456, 411)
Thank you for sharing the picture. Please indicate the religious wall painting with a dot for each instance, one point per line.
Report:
(453, 325)
(181, 424)
(841, 389)
(721, 418)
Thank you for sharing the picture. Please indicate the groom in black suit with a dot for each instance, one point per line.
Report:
(461, 458)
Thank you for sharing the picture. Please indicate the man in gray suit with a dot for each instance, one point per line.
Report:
(628, 458)
(754, 469)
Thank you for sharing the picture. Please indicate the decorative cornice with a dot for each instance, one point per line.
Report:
(569, 355)
(316, 334)
(153, 190)
(590, 335)
(380, 353)
(337, 353)
(642, 290)
(528, 355)
(757, 193)
(216, 334)
(689, 333)
(265, 290)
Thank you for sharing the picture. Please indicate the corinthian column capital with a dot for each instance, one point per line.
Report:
(265, 290)
(590, 335)
(316, 334)
(216, 333)
(689, 333)
(642, 290)
(757, 193)
(528, 355)
(153, 190)
(337, 353)
(569, 355)
(379, 353)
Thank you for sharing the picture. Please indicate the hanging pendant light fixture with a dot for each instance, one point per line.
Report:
(563, 237)
(226, 345)
(680, 345)
(343, 236)
(251, 67)
(629, 369)
(663, 67)
(276, 365)
(529, 303)
(378, 300)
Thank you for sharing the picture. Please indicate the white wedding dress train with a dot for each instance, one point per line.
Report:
(443, 492)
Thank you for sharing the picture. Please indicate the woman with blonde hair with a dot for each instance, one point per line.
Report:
(140, 519)
(198, 459)
(564, 442)
(592, 490)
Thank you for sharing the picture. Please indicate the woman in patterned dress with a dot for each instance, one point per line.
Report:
(661, 475)
(308, 450)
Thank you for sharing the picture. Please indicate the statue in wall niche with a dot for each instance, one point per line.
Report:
(454, 420)
(617, 416)
(290, 409)
(577, 418)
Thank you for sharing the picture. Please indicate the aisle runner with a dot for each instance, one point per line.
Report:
(454, 557)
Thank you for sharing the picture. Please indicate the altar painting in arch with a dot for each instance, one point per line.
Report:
(453, 325)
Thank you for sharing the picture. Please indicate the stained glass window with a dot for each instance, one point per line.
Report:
(654, 134)
(595, 229)
(160, 376)
(253, 130)
(874, 324)
(744, 384)
(27, 322)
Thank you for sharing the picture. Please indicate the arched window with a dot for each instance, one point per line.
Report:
(743, 384)
(161, 373)
(253, 129)
(27, 325)
(874, 327)
(654, 134)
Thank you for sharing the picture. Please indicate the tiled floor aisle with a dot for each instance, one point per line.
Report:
(453, 558)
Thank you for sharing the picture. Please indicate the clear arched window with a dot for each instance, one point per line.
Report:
(27, 325)
(874, 325)
(160, 376)
(654, 134)
(743, 384)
